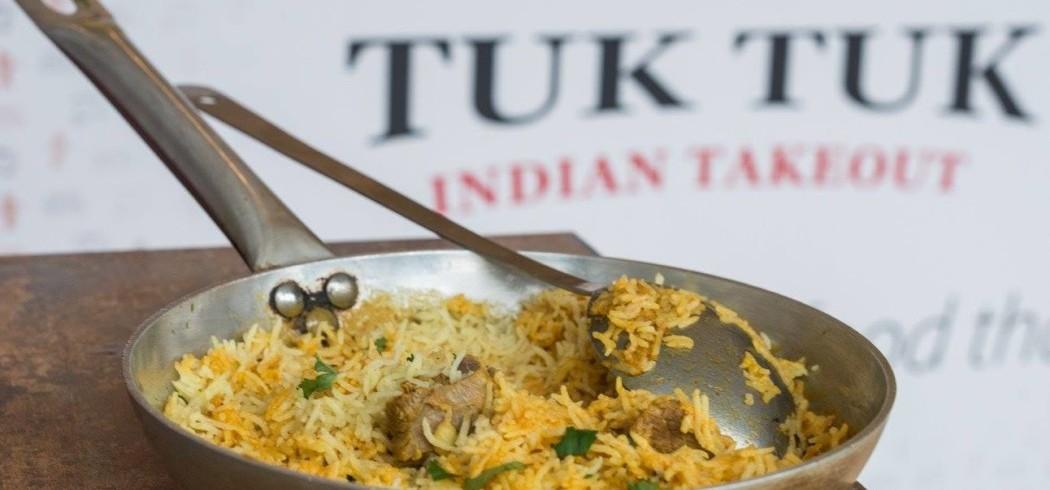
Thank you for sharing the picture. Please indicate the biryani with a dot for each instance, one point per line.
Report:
(640, 315)
(424, 391)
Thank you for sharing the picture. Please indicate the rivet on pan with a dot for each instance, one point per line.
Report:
(288, 299)
(313, 318)
(341, 290)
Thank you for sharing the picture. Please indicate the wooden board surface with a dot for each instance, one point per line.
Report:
(65, 418)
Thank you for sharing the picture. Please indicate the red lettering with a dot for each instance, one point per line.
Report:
(440, 194)
(784, 167)
(788, 165)
(650, 171)
(602, 176)
(745, 165)
(518, 192)
(857, 167)
(950, 162)
(827, 165)
(904, 179)
(900, 170)
(704, 157)
(565, 173)
(486, 191)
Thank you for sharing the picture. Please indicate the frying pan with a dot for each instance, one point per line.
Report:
(855, 381)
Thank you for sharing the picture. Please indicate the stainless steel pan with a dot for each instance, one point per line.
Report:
(855, 381)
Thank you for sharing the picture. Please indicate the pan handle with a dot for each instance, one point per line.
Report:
(260, 226)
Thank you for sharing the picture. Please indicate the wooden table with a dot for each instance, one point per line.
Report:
(65, 419)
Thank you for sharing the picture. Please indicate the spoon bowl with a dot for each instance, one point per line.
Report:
(713, 367)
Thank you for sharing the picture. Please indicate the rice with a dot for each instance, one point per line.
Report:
(244, 394)
(643, 313)
(758, 378)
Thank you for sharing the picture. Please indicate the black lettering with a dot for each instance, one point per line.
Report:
(966, 72)
(1033, 338)
(611, 72)
(779, 59)
(938, 330)
(855, 41)
(485, 81)
(399, 79)
(1014, 317)
(980, 338)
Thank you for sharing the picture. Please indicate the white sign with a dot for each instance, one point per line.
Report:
(886, 162)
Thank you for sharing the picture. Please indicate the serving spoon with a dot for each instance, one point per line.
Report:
(710, 366)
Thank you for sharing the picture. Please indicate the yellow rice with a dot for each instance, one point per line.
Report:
(643, 313)
(759, 378)
(243, 394)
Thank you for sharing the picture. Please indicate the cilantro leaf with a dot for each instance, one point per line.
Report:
(575, 442)
(643, 485)
(436, 472)
(324, 380)
(483, 478)
(381, 344)
(320, 383)
(321, 367)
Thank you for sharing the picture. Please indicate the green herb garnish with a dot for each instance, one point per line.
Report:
(325, 377)
(411, 357)
(483, 478)
(643, 485)
(381, 344)
(575, 442)
(436, 472)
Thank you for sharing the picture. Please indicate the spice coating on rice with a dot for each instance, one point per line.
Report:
(504, 399)
(641, 315)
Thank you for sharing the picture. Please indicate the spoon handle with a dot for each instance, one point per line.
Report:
(243, 119)
(261, 227)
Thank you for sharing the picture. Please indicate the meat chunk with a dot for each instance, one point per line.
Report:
(469, 364)
(404, 416)
(660, 424)
(406, 413)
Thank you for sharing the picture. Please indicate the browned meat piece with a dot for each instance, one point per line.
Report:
(404, 427)
(405, 414)
(464, 397)
(660, 425)
(469, 364)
